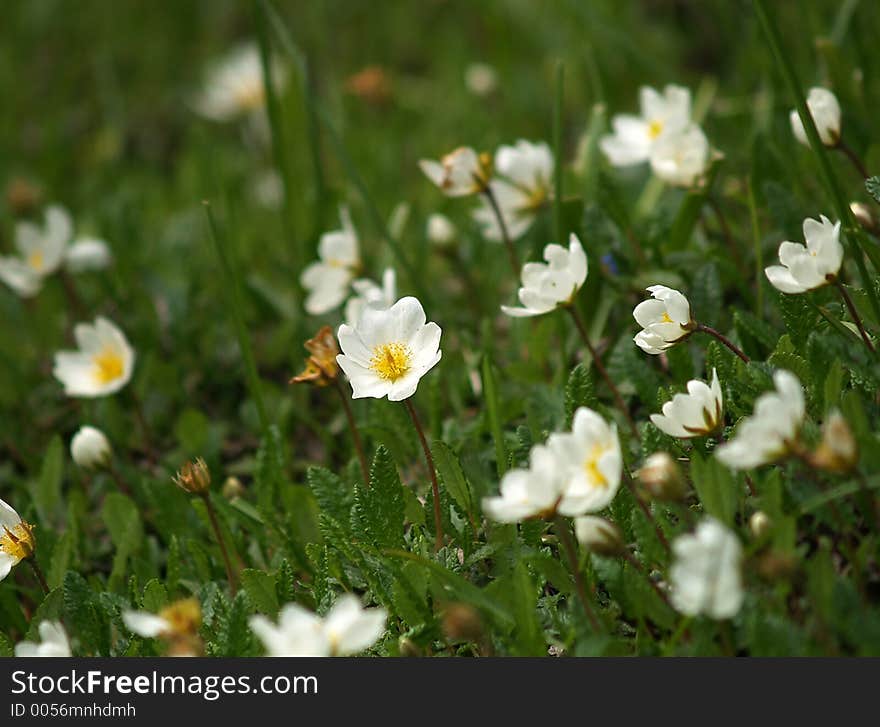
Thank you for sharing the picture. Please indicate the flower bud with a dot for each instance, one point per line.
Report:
(440, 230)
(599, 535)
(864, 215)
(838, 451)
(22, 197)
(661, 478)
(409, 648)
(776, 565)
(760, 523)
(321, 367)
(90, 449)
(462, 622)
(232, 488)
(194, 477)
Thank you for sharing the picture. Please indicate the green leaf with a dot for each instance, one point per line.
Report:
(579, 391)
(233, 634)
(260, 587)
(269, 477)
(47, 494)
(123, 522)
(872, 184)
(452, 475)
(490, 392)
(50, 609)
(81, 615)
(61, 557)
(155, 596)
(716, 487)
(6, 648)
(380, 510)
(333, 495)
(706, 294)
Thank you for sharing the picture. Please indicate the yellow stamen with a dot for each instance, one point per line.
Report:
(665, 318)
(18, 542)
(108, 365)
(36, 260)
(391, 361)
(183, 617)
(591, 465)
(250, 97)
(654, 129)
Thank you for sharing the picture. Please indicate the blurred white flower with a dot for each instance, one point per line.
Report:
(459, 173)
(666, 319)
(705, 573)
(347, 629)
(268, 189)
(825, 110)
(536, 491)
(694, 414)
(102, 365)
(838, 451)
(598, 535)
(771, 432)
(177, 624)
(40, 252)
(661, 477)
(86, 254)
(367, 293)
(547, 286)
(480, 79)
(327, 280)
(635, 137)
(388, 351)
(440, 230)
(681, 158)
(16, 539)
(397, 219)
(808, 267)
(53, 640)
(90, 448)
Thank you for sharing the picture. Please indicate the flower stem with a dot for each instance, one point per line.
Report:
(435, 487)
(571, 553)
(603, 372)
(355, 434)
(118, 479)
(38, 572)
(502, 225)
(629, 558)
(853, 157)
(723, 339)
(854, 313)
(215, 525)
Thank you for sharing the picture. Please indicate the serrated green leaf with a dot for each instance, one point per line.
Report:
(872, 184)
(381, 509)
(716, 487)
(450, 472)
(62, 554)
(47, 494)
(333, 495)
(260, 587)
(155, 596)
(579, 391)
(123, 522)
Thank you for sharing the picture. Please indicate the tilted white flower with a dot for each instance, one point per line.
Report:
(53, 642)
(347, 629)
(773, 428)
(102, 365)
(40, 252)
(526, 172)
(440, 230)
(666, 319)
(635, 137)
(90, 448)
(530, 492)
(825, 110)
(16, 539)
(806, 267)
(547, 286)
(694, 414)
(598, 535)
(705, 573)
(327, 280)
(367, 293)
(87, 254)
(459, 173)
(389, 350)
(681, 158)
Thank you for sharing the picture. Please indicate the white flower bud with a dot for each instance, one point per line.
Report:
(440, 230)
(661, 477)
(90, 449)
(598, 535)
(760, 523)
(838, 451)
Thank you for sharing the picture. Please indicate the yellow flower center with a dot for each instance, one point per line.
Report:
(665, 318)
(183, 617)
(36, 260)
(591, 465)
(655, 128)
(250, 96)
(391, 361)
(108, 365)
(18, 542)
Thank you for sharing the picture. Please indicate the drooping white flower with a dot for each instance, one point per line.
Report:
(40, 252)
(53, 642)
(87, 254)
(598, 535)
(694, 414)
(772, 429)
(347, 629)
(16, 539)
(666, 319)
(681, 158)
(440, 230)
(546, 286)
(367, 293)
(806, 267)
(102, 365)
(459, 173)
(327, 280)
(90, 448)
(536, 491)
(705, 573)
(177, 624)
(388, 351)
(635, 137)
(480, 79)
(825, 110)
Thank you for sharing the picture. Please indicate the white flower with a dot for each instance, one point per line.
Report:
(146, 624)
(90, 448)
(87, 253)
(268, 189)
(480, 79)
(54, 642)
(546, 286)
(527, 171)
(666, 319)
(440, 230)
(807, 267)
(327, 281)
(41, 252)
(367, 293)
(705, 573)
(459, 173)
(347, 629)
(694, 414)
(825, 110)
(388, 351)
(102, 365)
(635, 137)
(768, 434)
(598, 535)
(16, 539)
(682, 157)
(526, 493)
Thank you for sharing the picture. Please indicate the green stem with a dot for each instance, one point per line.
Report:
(355, 434)
(854, 314)
(630, 558)
(38, 573)
(215, 526)
(432, 471)
(568, 546)
(558, 223)
(848, 152)
(723, 339)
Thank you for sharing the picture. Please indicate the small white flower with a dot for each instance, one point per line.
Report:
(546, 286)
(54, 642)
(102, 365)
(87, 254)
(40, 252)
(808, 267)
(530, 492)
(347, 629)
(635, 137)
(661, 477)
(705, 573)
(388, 351)
(268, 189)
(459, 173)
(16, 539)
(367, 293)
(666, 319)
(328, 279)
(694, 414)
(825, 110)
(770, 432)
(90, 448)
(480, 79)
(598, 535)
(146, 624)
(681, 158)
(440, 230)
